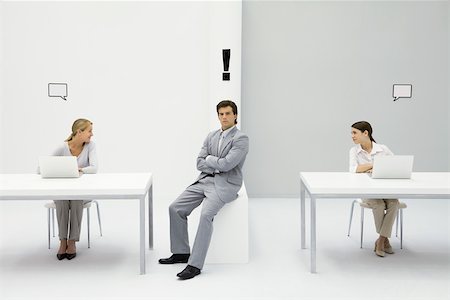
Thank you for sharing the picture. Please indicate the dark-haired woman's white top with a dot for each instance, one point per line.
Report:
(359, 156)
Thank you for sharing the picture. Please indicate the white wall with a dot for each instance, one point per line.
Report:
(226, 23)
(1, 80)
(140, 71)
(312, 68)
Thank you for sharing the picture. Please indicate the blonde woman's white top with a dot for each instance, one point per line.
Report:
(87, 159)
(359, 156)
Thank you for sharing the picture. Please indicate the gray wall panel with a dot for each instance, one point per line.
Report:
(311, 69)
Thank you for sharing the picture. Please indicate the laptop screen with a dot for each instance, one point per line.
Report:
(58, 166)
(392, 166)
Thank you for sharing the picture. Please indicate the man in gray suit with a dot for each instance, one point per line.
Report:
(220, 162)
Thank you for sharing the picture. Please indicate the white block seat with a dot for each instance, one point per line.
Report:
(229, 243)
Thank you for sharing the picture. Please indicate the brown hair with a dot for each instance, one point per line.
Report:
(363, 126)
(81, 124)
(226, 103)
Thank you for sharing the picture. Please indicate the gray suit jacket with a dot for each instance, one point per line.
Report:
(228, 160)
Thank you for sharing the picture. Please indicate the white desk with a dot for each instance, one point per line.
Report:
(87, 187)
(351, 185)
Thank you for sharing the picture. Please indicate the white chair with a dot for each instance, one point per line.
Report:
(363, 205)
(51, 207)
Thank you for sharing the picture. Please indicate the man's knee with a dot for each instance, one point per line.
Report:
(173, 208)
(177, 210)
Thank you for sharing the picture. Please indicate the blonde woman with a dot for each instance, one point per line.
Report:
(69, 212)
(361, 161)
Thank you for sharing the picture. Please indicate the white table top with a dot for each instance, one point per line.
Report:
(102, 185)
(433, 184)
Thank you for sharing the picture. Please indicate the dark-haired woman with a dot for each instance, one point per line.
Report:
(361, 161)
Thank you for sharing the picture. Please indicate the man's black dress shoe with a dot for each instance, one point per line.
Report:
(174, 259)
(71, 255)
(61, 256)
(189, 272)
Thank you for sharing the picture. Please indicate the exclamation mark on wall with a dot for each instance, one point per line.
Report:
(226, 53)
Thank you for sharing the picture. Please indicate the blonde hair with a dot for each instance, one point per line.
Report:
(81, 124)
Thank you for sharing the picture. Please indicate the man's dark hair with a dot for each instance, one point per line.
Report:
(226, 103)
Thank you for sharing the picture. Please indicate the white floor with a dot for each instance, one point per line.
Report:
(278, 268)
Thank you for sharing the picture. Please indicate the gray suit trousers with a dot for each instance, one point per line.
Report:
(201, 191)
(69, 214)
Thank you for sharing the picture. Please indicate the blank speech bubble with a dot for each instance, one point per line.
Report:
(57, 90)
(401, 91)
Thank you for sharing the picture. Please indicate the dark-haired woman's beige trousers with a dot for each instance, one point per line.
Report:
(384, 213)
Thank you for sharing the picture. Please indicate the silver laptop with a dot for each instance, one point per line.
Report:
(58, 166)
(393, 166)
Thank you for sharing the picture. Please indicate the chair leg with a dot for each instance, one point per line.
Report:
(401, 228)
(53, 221)
(396, 223)
(362, 226)
(351, 217)
(88, 228)
(98, 217)
(48, 226)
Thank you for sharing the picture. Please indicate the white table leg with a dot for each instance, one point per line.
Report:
(142, 233)
(302, 214)
(150, 217)
(313, 234)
